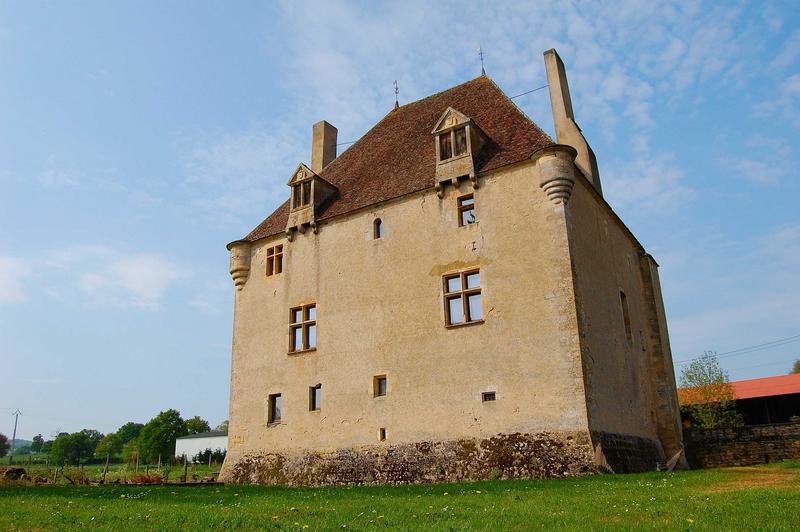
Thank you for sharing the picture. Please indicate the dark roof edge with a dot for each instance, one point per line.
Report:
(209, 434)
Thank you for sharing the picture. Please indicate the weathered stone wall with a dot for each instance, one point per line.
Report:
(750, 445)
(380, 311)
(504, 456)
(629, 382)
(629, 454)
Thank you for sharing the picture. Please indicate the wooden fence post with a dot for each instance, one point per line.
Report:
(105, 469)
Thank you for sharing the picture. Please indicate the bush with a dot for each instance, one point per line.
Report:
(202, 457)
(146, 478)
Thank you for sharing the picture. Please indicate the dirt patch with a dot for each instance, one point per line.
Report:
(757, 477)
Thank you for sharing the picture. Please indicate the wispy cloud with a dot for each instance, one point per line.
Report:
(13, 273)
(93, 275)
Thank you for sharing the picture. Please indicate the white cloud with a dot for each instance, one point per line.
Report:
(103, 276)
(13, 272)
(648, 183)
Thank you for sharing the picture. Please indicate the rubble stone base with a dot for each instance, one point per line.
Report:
(530, 456)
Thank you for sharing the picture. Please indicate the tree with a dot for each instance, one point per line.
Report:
(4, 446)
(130, 451)
(129, 431)
(36, 443)
(708, 393)
(796, 366)
(109, 445)
(158, 435)
(73, 448)
(47, 447)
(196, 425)
(223, 426)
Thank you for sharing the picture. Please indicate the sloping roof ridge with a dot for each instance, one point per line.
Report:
(518, 108)
(406, 106)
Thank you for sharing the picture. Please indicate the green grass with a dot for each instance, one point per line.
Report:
(766, 497)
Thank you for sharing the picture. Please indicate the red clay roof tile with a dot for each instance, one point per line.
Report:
(397, 156)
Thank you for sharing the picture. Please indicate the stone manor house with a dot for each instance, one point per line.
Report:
(451, 298)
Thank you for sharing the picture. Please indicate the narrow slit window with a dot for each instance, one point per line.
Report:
(466, 210)
(488, 396)
(379, 386)
(462, 297)
(381, 434)
(460, 140)
(274, 408)
(274, 260)
(377, 229)
(315, 397)
(303, 328)
(626, 316)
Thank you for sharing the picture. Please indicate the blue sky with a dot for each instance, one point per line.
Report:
(138, 138)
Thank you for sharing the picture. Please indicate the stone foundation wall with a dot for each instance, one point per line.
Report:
(756, 444)
(530, 456)
(629, 454)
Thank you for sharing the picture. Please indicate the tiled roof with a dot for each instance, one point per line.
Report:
(751, 388)
(397, 156)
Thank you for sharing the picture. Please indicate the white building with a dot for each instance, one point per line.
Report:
(189, 446)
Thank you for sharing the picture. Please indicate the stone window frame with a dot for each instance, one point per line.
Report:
(274, 409)
(462, 208)
(301, 194)
(376, 388)
(314, 401)
(275, 260)
(449, 139)
(463, 294)
(304, 325)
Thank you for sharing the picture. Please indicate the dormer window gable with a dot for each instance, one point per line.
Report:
(458, 140)
(309, 194)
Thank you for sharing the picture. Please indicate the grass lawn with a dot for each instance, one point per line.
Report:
(764, 497)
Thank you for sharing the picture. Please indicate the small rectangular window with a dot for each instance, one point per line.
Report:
(315, 397)
(626, 316)
(466, 210)
(306, 192)
(274, 408)
(488, 396)
(445, 147)
(274, 260)
(379, 385)
(460, 135)
(303, 328)
(462, 296)
(381, 434)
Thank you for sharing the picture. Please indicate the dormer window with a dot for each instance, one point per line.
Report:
(458, 141)
(309, 195)
(301, 194)
(453, 143)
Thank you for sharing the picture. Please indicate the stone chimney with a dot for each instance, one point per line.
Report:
(567, 130)
(323, 146)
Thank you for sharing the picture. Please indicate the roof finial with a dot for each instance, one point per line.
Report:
(480, 54)
(396, 92)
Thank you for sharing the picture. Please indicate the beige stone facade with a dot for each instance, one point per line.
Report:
(572, 387)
